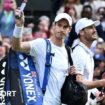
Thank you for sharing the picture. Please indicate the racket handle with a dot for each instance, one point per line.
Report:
(22, 7)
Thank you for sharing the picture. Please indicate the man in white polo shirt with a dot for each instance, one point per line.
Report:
(82, 55)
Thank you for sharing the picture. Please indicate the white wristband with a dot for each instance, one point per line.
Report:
(18, 31)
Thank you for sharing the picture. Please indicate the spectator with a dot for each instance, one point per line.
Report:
(87, 11)
(99, 48)
(101, 16)
(37, 49)
(95, 43)
(68, 4)
(99, 65)
(43, 28)
(7, 21)
(96, 4)
(27, 34)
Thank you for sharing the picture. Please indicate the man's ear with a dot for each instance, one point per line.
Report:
(70, 29)
(81, 32)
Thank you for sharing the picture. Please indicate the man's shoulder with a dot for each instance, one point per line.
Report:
(78, 48)
(38, 41)
(38, 46)
(79, 51)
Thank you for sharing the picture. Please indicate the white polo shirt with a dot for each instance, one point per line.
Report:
(83, 60)
(58, 70)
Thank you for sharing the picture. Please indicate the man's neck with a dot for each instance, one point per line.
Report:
(87, 43)
(57, 42)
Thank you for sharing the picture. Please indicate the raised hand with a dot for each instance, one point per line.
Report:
(20, 20)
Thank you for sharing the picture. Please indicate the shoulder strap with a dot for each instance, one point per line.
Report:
(69, 54)
(74, 47)
(47, 64)
(73, 77)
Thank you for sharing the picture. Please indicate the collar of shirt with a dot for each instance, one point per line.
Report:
(86, 48)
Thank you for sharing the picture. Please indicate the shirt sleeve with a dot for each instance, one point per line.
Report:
(79, 61)
(37, 47)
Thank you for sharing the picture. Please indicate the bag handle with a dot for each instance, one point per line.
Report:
(70, 61)
(69, 54)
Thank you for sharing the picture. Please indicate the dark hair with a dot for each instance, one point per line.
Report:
(85, 13)
(87, 6)
(101, 12)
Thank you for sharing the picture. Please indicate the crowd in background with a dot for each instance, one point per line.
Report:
(92, 9)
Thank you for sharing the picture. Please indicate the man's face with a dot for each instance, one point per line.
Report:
(61, 29)
(99, 48)
(87, 12)
(90, 33)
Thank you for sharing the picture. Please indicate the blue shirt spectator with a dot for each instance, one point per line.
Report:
(7, 21)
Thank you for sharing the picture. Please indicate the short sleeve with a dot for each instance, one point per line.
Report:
(37, 47)
(78, 57)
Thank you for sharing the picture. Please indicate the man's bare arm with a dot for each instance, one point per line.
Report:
(91, 84)
(17, 43)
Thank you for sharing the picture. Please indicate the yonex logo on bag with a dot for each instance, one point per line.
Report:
(28, 79)
(24, 62)
(29, 86)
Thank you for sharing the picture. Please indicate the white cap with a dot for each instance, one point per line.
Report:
(83, 23)
(63, 16)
